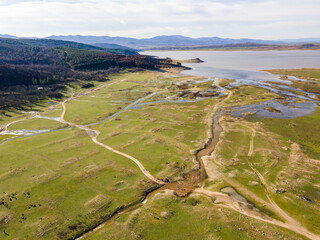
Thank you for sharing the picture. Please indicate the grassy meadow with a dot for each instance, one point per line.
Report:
(169, 217)
(59, 185)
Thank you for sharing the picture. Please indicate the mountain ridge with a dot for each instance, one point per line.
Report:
(175, 41)
(157, 41)
(169, 41)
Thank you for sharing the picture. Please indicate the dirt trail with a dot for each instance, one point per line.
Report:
(275, 207)
(95, 133)
(231, 203)
(290, 223)
(226, 201)
(5, 128)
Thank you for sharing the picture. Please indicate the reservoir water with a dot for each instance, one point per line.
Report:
(242, 64)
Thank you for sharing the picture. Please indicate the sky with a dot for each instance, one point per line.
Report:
(260, 19)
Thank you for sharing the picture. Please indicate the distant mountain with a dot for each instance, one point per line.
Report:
(302, 40)
(126, 42)
(159, 41)
(186, 41)
(7, 36)
(131, 44)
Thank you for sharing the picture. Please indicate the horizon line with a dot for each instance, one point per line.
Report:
(88, 35)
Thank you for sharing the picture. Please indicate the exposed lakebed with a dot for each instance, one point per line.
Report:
(245, 68)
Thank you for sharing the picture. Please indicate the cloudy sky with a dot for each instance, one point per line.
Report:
(264, 19)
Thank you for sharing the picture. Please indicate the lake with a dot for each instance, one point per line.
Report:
(242, 64)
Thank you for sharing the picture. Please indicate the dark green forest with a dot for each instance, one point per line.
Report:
(27, 65)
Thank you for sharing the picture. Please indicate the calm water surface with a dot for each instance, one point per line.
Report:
(242, 64)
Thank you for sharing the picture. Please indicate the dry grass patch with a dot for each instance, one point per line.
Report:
(91, 171)
(98, 203)
(5, 218)
(47, 225)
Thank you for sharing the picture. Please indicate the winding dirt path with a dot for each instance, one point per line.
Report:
(226, 201)
(231, 203)
(275, 207)
(95, 133)
(290, 223)
(5, 128)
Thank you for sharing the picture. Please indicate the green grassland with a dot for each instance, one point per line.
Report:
(299, 175)
(76, 184)
(275, 158)
(37, 124)
(312, 74)
(163, 137)
(300, 130)
(52, 111)
(226, 82)
(61, 184)
(107, 101)
(13, 115)
(270, 158)
(49, 107)
(311, 87)
(231, 161)
(169, 217)
(5, 137)
(304, 73)
(245, 95)
(46, 107)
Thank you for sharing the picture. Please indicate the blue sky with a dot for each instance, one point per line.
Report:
(262, 19)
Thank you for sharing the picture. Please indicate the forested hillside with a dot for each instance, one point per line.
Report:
(52, 64)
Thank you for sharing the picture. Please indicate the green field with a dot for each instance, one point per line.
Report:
(60, 185)
(300, 130)
(304, 73)
(63, 172)
(169, 217)
(75, 184)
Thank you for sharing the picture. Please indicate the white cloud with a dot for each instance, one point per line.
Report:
(123, 22)
(145, 18)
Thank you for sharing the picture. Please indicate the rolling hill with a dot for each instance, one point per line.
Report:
(159, 41)
(27, 64)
